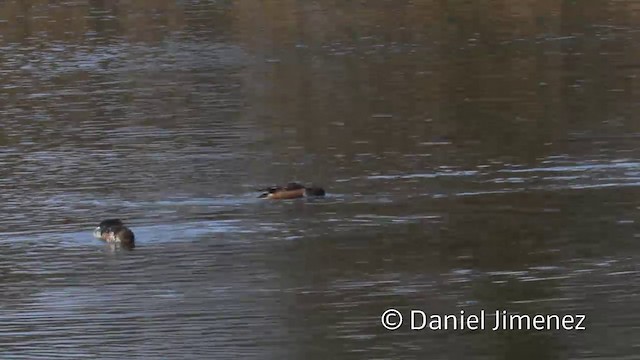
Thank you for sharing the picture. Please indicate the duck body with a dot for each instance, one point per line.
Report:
(115, 232)
(292, 190)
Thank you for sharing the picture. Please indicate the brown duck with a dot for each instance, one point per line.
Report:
(292, 190)
(114, 231)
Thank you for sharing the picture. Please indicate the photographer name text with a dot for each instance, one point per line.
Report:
(497, 320)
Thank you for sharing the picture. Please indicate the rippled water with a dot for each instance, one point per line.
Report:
(476, 156)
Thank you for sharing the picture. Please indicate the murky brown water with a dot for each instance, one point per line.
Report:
(477, 156)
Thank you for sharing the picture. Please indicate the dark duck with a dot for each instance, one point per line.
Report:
(292, 190)
(115, 232)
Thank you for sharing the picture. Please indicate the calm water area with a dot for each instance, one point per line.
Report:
(477, 155)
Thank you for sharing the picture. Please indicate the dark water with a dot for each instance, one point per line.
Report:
(478, 156)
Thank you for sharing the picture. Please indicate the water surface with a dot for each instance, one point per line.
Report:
(476, 156)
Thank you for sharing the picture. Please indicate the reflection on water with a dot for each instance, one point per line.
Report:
(477, 156)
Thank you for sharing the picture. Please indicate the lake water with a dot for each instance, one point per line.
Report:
(477, 156)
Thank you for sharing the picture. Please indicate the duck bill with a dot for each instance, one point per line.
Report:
(97, 233)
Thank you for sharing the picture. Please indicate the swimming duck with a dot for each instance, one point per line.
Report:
(114, 231)
(292, 190)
